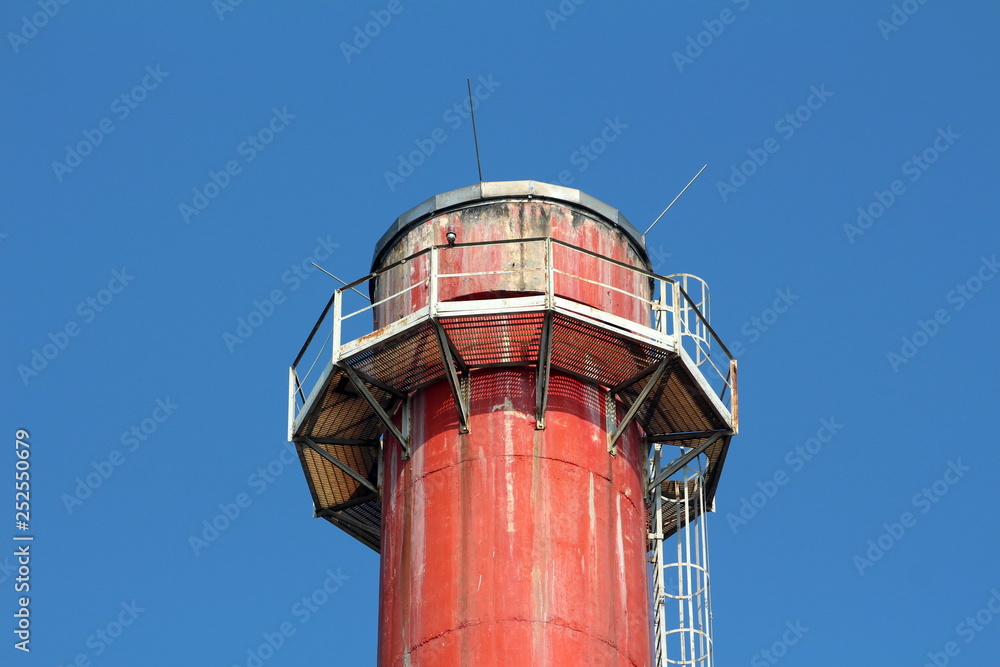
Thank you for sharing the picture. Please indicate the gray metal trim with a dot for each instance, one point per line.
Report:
(499, 190)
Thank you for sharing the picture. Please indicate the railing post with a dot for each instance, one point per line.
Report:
(381, 454)
(432, 296)
(678, 332)
(338, 307)
(291, 401)
(734, 396)
(549, 273)
(661, 323)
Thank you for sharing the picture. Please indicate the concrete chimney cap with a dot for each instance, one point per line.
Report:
(498, 191)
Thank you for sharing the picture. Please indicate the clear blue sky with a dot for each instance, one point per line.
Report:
(112, 259)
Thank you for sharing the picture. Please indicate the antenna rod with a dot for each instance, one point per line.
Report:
(675, 199)
(338, 279)
(475, 135)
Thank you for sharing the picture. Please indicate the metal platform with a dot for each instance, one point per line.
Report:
(664, 376)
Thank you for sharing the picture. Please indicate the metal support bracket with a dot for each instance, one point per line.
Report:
(353, 503)
(368, 379)
(379, 412)
(689, 435)
(348, 442)
(683, 460)
(340, 464)
(735, 401)
(639, 400)
(343, 518)
(543, 371)
(293, 384)
(611, 420)
(381, 468)
(458, 386)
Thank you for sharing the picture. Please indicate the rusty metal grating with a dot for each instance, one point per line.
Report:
(342, 413)
(368, 515)
(408, 359)
(594, 352)
(330, 486)
(672, 489)
(676, 405)
(490, 340)
(404, 362)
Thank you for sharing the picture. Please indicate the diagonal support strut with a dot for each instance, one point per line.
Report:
(636, 404)
(339, 464)
(385, 418)
(450, 361)
(543, 371)
(684, 459)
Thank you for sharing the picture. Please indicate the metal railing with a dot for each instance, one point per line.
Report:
(676, 310)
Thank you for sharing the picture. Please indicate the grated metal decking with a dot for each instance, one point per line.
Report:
(661, 376)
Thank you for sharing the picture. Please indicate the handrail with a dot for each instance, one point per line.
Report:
(673, 299)
(609, 260)
(315, 328)
(637, 297)
(704, 321)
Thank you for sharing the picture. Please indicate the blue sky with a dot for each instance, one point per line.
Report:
(167, 166)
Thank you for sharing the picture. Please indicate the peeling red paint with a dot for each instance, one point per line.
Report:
(510, 545)
(509, 220)
(460, 587)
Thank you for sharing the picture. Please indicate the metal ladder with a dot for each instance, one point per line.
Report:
(681, 602)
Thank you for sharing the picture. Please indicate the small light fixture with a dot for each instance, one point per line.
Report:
(451, 236)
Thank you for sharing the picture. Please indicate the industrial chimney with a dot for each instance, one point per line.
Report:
(500, 435)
